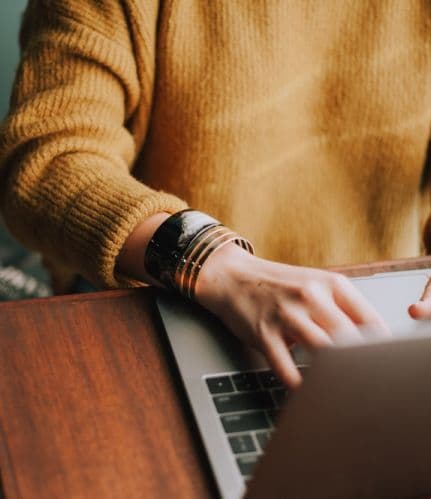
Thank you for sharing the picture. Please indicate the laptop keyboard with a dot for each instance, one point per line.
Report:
(247, 404)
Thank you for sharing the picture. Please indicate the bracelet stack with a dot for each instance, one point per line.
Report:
(181, 245)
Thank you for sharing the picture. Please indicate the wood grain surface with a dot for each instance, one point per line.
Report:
(423, 262)
(89, 403)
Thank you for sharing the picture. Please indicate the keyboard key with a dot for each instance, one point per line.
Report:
(263, 438)
(245, 382)
(269, 379)
(220, 384)
(246, 421)
(243, 402)
(246, 464)
(242, 443)
(280, 395)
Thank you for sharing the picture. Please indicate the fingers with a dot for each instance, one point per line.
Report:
(357, 308)
(422, 309)
(277, 353)
(339, 327)
(306, 332)
(326, 314)
(337, 312)
(312, 307)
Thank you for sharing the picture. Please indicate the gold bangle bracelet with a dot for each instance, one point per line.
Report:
(191, 251)
(204, 248)
(197, 269)
(201, 248)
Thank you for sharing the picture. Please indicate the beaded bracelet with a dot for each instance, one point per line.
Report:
(181, 245)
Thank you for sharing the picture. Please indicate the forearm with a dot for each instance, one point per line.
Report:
(66, 147)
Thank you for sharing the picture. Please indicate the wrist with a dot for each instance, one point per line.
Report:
(130, 260)
(174, 250)
(223, 268)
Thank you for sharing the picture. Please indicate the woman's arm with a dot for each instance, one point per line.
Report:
(269, 305)
(65, 150)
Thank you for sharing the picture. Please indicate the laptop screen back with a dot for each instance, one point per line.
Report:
(359, 427)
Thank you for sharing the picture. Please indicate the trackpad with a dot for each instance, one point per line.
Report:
(391, 295)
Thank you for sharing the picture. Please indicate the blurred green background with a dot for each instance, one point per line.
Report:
(21, 273)
(10, 15)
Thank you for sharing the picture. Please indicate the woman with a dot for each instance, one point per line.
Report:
(303, 125)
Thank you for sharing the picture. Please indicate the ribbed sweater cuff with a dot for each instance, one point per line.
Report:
(100, 221)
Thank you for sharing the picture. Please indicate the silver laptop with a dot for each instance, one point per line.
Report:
(235, 397)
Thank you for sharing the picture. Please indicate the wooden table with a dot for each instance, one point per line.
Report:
(90, 404)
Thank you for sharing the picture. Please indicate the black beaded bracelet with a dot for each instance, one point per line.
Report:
(170, 241)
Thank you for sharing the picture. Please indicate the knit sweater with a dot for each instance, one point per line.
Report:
(301, 124)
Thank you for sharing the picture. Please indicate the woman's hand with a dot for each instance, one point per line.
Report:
(271, 306)
(422, 309)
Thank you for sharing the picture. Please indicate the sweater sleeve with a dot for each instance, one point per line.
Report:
(65, 149)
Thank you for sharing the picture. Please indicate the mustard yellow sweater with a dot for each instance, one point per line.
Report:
(302, 124)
